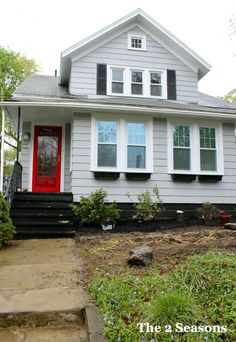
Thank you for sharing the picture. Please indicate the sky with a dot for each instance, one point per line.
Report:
(42, 29)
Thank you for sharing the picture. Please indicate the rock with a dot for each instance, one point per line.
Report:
(231, 226)
(140, 256)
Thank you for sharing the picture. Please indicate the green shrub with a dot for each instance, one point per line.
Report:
(208, 211)
(93, 209)
(148, 209)
(7, 230)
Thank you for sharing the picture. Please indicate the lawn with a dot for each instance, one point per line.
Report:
(187, 283)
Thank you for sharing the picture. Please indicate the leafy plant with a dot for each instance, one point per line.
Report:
(203, 284)
(93, 209)
(208, 211)
(148, 209)
(7, 230)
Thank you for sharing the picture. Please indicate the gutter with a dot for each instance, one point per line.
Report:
(91, 106)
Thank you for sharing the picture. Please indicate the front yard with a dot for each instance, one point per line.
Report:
(191, 281)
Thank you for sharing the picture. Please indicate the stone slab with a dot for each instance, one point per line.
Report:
(42, 300)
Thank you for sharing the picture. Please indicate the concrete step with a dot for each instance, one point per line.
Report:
(44, 334)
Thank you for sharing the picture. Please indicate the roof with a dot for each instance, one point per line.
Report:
(46, 88)
(40, 85)
(138, 17)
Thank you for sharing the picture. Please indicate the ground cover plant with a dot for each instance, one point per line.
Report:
(202, 292)
(7, 230)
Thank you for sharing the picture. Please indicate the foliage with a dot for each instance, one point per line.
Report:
(230, 96)
(7, 230)
(14, 68)
(148, 209)
(93, 209)
(208, 211)
(206, 283)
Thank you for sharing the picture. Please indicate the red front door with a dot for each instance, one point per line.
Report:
(47, 159)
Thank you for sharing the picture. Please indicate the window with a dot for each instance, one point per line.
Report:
(181, 148)
(121, 144)
(136, 42)
(136, 149)
(155, 84)
(195, 148)
(125, 81)
(117, 81)
(207, 148)
(136, 82)
(106, 143)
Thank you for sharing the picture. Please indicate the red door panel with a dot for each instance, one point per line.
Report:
(47, 159)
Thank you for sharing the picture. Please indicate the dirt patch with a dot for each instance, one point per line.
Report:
(107, 253)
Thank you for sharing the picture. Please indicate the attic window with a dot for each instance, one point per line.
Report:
(136, 42)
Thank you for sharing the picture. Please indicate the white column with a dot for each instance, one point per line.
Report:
(2, 150)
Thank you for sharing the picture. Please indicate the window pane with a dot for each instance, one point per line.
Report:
(136, 133)
(136, 157)
(136, 43)
(155, 77)
(107, 155)
(117, 75)
(137, 89)
(137, 76)
(207, 137)
(107, 131)
(117, 88)
(208, 160)
(181, 136)
(156, 90)
(181, 159)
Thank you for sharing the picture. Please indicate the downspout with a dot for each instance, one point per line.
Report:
(2, 151)
(18, 135)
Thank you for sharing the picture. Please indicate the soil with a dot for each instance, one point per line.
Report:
(107, 253)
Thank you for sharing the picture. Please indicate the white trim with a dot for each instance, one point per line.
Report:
(121, 143)
(48, 123)
(226, 113)
(131, 36)
(195, 146)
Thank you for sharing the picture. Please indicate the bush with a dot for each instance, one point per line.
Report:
(208, 211)
(93, 209)
(7, 230)
(148, 209)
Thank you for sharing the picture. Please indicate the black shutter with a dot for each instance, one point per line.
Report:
(171, 85)
(101, 79)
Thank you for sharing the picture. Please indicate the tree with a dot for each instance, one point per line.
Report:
(230, 96)
(14, 68)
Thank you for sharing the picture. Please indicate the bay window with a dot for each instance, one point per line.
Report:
(195, 148)
(122, 144)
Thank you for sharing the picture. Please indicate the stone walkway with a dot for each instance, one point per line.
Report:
(40, 300)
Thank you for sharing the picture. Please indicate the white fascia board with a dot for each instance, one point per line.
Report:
(113, 108)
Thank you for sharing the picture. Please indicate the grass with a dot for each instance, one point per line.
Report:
(202, 291)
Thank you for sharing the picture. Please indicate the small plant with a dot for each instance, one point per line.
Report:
(208, 211)
(148, 209)
(93, 209)
(7, 230)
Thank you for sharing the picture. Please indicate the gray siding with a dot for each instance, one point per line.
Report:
(115, 52)
(67, 175)
(26, 156)
(83, 181)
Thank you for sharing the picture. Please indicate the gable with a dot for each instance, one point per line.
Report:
(140, 18)
(116, 53)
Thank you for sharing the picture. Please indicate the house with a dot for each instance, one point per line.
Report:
(124, 115)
